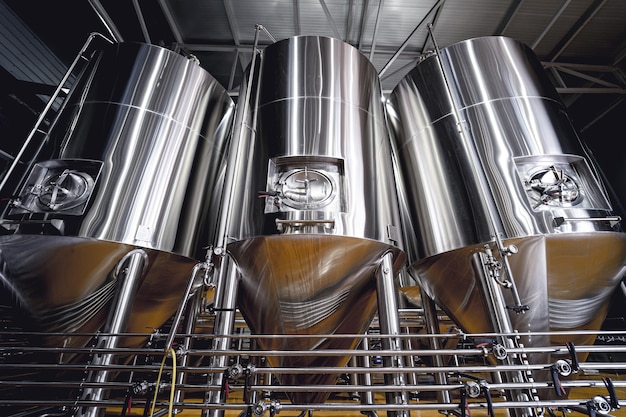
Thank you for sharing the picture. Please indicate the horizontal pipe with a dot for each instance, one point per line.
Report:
(316, 407)
(339, 388)
(595, 366)
(325, 352)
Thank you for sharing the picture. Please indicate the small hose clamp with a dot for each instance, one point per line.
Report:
(499, 352)
(602, 405)
(473, 389)
(235, 370)
(563, 367)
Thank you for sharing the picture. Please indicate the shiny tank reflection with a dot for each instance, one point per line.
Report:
(489, 159)
(133, 164)
(319, 158)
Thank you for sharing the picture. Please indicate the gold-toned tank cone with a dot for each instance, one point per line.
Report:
(308, 285)
(583, 273)
(67, 284)
(564, 279)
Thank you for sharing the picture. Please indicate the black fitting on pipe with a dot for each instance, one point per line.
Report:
(487, 394)
(128, 400)
(556, 382)
(146, 408)
(572, 351)
(613, 400)
(224, 387)
(591, 408)
(246, 386)
(463, 405)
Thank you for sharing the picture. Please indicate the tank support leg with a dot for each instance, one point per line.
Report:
(128, 271)
(367, 397)
(390, 327)
(188, 328)
(225, 309)
(501, 323)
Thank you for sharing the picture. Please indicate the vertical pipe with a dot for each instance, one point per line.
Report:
(183, 303)
(225, 309)
(188, 328)
(353, 377)
(389, 327)
(501, 323)
(365, 378)
(234, 159)
(432, 327)
(132, 267)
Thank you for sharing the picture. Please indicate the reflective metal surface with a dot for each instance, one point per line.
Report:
(320, 110)
(160, 125)
(317, 152)
(133, 161)
(486, 152)
(66, 284)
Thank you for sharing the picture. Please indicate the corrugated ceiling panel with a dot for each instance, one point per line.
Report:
(461, 20)
(398, 19)
(276, 16)
(202, 20)
(23, 54)
(314, 20)
(534, 16)
(597, 44)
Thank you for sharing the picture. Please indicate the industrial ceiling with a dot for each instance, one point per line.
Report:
(582, 44)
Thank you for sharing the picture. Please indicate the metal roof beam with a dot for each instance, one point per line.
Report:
(234, 30)
(167, 12)
(576, 29)
(587, 77)
(232, 22)
(402, 69)
(400, 50)
(296, 16)
(106, 20)
(349, 21)
(434, 24)
(381, 3)
(142, 21)
(329, 16)
(510, 14)
(363, 22)
(551, 23)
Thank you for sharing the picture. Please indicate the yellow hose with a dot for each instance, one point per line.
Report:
(156, 388)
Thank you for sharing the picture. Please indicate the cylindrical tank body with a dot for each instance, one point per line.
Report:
(318, 154)
(486, 151)
(134, 160)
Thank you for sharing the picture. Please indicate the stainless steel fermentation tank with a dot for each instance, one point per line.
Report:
(111, 218)
(497, 184)
(315, 221)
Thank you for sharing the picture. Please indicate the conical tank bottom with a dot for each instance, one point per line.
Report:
(584, 270)
(308, 285)
(564, 279)
(66, 285)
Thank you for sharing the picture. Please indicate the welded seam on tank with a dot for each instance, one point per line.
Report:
(482, 103)
(162, 115)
